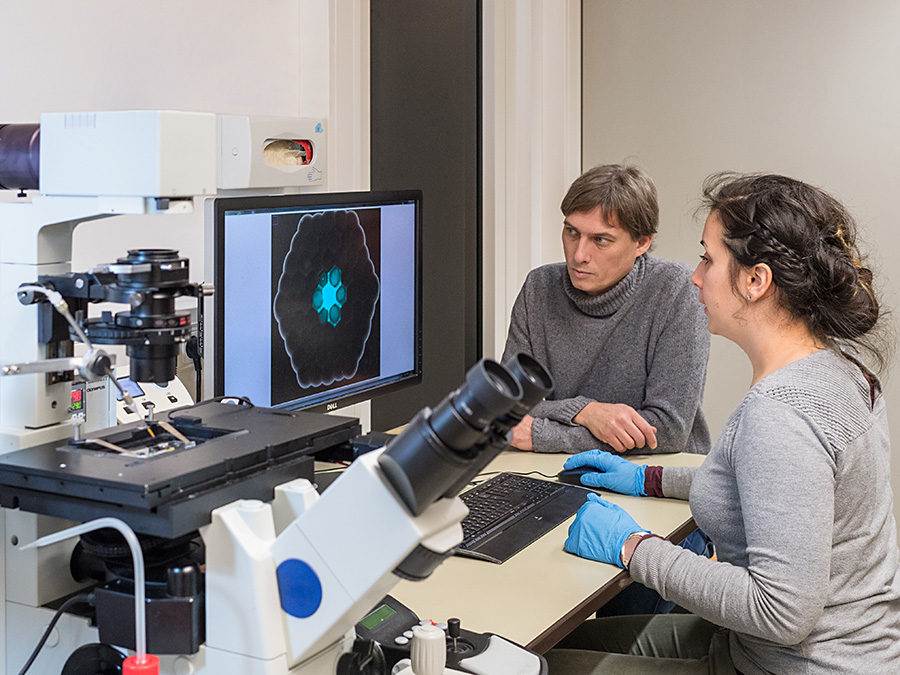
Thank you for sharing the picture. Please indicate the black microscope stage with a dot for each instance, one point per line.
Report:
(165, 478)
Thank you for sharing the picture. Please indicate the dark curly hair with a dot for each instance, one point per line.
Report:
(808, 239)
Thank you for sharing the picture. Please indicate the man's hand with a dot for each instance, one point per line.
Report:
(616, 424)
(522, 434)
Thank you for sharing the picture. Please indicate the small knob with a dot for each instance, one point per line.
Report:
(453, 628)
(453, 632)
(182, 582)
(77, 421)
(428, 652)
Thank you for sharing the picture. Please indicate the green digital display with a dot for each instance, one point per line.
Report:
(376, 617)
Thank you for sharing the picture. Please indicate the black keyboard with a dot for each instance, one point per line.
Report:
(508, 512)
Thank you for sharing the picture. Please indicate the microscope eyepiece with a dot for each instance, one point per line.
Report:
(535, 381)
(490, 390)
(441, 450)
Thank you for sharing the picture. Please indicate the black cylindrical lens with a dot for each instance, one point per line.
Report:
(182, 582)
(437, 450)
(152, 268)
(463, 418)
(153, 362)
(490, 390)
(20, 156)
(534, 379)
(420, 466)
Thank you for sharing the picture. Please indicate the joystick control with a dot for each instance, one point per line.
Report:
(453, 634)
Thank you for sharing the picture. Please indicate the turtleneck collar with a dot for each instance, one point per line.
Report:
(612, 300)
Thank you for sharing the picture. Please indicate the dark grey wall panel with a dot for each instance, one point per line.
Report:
(426, 134)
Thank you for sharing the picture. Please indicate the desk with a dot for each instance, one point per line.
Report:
(542, 593)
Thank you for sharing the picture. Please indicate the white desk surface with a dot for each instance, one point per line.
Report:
(541, 593)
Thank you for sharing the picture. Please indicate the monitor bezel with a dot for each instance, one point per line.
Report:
(222, 205)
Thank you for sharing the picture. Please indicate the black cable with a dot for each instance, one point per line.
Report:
(191, 350)
(201, 330)
(528, 473)
(85, 598)
(238, 400)
(485, 475)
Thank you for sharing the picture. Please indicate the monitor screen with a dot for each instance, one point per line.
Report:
(318, 297)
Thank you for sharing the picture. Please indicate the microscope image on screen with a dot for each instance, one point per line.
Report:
(318, 297)
(326, 291)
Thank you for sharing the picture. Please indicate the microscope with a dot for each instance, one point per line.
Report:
(249, 570)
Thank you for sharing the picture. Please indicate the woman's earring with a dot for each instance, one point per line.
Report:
(748, 297)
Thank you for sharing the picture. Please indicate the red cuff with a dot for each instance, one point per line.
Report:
(641, 541)
(653, 481)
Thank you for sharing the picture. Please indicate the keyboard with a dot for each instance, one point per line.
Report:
(508, 512)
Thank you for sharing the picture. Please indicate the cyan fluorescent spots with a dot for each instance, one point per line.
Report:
(329, 296)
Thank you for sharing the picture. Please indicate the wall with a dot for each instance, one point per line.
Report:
(108, 55)
(810, 89)
(294, 58)
(532, 144)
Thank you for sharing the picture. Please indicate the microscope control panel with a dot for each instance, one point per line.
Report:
(392, 625)
(150, 398)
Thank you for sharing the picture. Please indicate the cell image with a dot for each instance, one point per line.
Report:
(329, 296)
(326, 295)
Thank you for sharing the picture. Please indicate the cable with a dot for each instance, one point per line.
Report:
(85, 598)
(236, 400)
(61, 306)
(484, 475)
(529, 473)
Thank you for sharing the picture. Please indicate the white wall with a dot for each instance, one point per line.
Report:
(810, 89)
(291, 58)
(532, 132)
(282, 58)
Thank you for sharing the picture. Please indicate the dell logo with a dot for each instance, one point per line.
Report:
(331, 406)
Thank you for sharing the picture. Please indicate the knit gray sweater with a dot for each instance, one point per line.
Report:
(796, 496)
(643, 343)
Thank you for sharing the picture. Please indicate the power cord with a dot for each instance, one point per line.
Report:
(485, 475)
(530, 473)
(235, 400)
(84, 598)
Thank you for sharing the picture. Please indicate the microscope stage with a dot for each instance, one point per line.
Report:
(167, 482)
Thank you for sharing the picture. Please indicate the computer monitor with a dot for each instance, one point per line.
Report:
(318, 297)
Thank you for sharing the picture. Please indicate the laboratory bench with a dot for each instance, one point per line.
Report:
(542, 593)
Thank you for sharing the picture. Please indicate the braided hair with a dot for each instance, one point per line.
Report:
(808, 240)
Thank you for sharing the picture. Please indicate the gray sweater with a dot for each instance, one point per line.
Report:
(796, 496)
(643, 343)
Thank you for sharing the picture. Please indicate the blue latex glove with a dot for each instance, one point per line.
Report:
(599, 530)
(614, 472)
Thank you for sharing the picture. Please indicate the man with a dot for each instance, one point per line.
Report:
(622, 333)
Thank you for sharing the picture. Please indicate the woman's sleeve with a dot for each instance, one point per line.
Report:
(785, 476)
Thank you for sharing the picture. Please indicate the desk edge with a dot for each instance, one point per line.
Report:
(587, 608)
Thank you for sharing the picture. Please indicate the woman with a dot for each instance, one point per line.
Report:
(795, 493)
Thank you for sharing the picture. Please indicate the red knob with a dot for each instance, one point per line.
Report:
(149, 665)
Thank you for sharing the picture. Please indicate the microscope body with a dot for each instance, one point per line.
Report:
(286, 595)
(286, 582)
